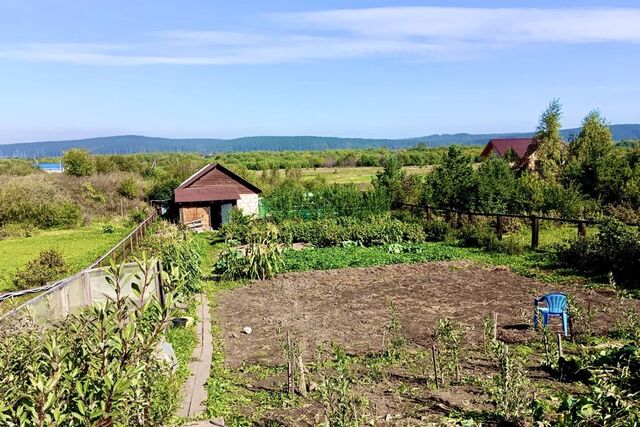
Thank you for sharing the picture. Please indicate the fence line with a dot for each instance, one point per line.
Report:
(117, 253)
(68, 295)
(534, 219)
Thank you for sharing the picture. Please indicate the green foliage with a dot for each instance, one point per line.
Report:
(49, 265)
(510, 390)
(180, 253)
(389, 180)
(323, 201)
(453, 182)
(437, 231)
(261, 258)
(17, 167)
(370, 231)
(238, 227)
(78, 162)
(342, 407)
(95, 368)
(498, 189)
(449, 336)
(108, 229)
(129, 188)
(612, 399)
(551, 148)
(162, 189)
(616, 249)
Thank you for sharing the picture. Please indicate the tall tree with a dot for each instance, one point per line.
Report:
(550, 154)
(390, 179)
(452, 184)
(594, 141)
(590, 154)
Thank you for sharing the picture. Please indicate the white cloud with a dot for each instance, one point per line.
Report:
(425, 33)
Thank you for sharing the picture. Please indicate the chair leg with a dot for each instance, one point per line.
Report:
(535, 319)
(565, 324)
(545, 319)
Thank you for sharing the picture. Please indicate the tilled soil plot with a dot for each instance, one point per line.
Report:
(350, 307)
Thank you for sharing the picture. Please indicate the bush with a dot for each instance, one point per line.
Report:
(129, 188)
(78, 162)
(98, 367)
(437, 231)
(238, 226)
(49, 266)
(108, 229)
(615, 249)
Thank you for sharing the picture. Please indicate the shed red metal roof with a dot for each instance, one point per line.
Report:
(206, 194)
(500, 146)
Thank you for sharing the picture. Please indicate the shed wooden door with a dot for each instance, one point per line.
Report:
(195, 213)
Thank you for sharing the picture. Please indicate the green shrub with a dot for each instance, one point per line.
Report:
(137, 216)
(238, 227)
(49, 266)
(78, 162)
(97, 367)
(129, 188)
(437, 231)
(615, 249)
(108, 229)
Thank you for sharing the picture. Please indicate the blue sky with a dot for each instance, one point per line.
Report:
(188, 68)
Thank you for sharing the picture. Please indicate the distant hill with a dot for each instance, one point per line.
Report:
(127, 144)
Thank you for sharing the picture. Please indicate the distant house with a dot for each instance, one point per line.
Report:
(211, 193)
(51, 167)
(523, 149)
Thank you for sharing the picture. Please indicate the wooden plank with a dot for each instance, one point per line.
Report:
(194, 391)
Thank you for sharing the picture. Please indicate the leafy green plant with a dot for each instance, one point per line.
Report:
(394, 342)
(510, 389)
(449, 336)
(129, 188)
(342, 408)
(97, 367)
(49, 265)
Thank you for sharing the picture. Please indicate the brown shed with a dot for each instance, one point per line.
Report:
(209, 195)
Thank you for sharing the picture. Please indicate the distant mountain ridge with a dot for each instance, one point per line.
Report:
(127, 144)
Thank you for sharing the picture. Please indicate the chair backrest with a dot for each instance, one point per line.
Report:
(557, 303)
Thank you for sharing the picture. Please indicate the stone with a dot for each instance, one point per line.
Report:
(247, 330)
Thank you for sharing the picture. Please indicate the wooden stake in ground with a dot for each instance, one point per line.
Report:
(290, 366)
(560, 354)
(303, 379)
(434, 355)
(495, 326)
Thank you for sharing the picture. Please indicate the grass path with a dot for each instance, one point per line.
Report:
(79, 246)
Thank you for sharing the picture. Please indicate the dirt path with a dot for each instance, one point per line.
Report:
(350, 306)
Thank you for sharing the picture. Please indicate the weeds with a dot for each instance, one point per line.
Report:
(449, 336)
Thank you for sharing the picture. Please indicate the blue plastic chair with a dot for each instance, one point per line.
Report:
(556, 306)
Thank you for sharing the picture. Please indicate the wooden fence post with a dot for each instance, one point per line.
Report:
(582, 229)
(291, 381)
(499, 226)
(434, 355)
(470, 218)
(429, 214)
(447, 216)
(535, 232)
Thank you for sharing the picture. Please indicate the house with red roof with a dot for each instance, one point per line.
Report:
(523, 148)
(208, 196)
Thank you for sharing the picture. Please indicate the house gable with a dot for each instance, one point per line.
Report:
(214, 183)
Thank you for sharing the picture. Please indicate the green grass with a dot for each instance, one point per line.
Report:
(80, 247)
(351, 175)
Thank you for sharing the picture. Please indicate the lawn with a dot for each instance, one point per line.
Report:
(79, 247)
